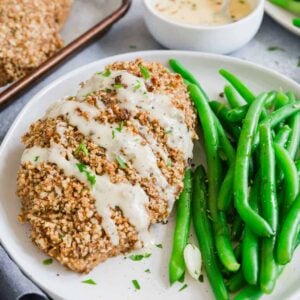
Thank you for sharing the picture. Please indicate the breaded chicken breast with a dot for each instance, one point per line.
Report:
(104, 165)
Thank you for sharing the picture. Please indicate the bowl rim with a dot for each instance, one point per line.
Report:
(259, 7)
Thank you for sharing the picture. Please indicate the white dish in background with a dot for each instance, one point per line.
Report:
(114, 276)
(210, 38)
(282, 16)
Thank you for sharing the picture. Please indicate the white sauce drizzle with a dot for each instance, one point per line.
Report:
(132, 200)
(123, 144)
(135, 99)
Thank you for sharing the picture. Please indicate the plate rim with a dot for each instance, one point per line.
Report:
(288, 26)
(124, 56)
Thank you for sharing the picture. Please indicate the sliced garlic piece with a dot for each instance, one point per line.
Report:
(193, 260)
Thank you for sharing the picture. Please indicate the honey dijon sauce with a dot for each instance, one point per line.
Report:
(203, 12)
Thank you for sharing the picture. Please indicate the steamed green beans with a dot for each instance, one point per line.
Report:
(255, 222)
(204, 235)
(182, 228)
(211, 143)
(268, 272)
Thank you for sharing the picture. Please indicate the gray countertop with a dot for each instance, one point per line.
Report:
(131, 34)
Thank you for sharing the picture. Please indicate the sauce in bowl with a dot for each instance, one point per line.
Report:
(203, 12)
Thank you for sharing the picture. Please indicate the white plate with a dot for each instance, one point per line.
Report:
(282, 16)
(114, 276)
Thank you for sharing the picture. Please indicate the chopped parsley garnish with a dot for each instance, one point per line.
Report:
(120, 162)
(169, 163)
(81, 167)
(145, 72)
(91, 178)
(137, 86)
(118, 86)
(136, 284)
(183, 287)
(159, 245)
(147, 271)
(168, 131)
(120, 126)
(138, 257)
(274, 48)
(82, 148)
(89, 281)
(47, 261)
(106, 73)
(119, 129)
(36, 158)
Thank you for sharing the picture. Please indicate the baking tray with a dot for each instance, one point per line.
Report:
(77, 33)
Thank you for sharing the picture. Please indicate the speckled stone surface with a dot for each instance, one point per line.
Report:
(131, 32)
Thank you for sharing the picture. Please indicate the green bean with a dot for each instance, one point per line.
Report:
(294, 141)
(269, 209)
(277, 117)
(232, 98)
(255, 222)
(221, 112)
(225, 194)
(236, 282)
(297, 164)
(182, 228)
(204, 235)
(187, 75)
(281, 138)
(283, 135)
(250, 292)
(281, 100)
(211, 143)
(237, 228)
(291, 180)
(239, 86)
(288, 235)
(237, 114)
(250, 243)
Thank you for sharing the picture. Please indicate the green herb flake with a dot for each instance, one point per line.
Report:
(82, 148)
(89, 281)
(136, 284)
(118, 86)
(113, 134)
(91, 178)
(159, 246)
(183, 287)
(137, 86)
(120, 126)
(132, 46)
(145, 72)
(47, 261)
(81, 167)
(107, 73)
(138, 257)
(274, 48)
(201, 278)
(147, 271)
(120, 162)
(168, 131)
(36, 158)
(169, 163)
